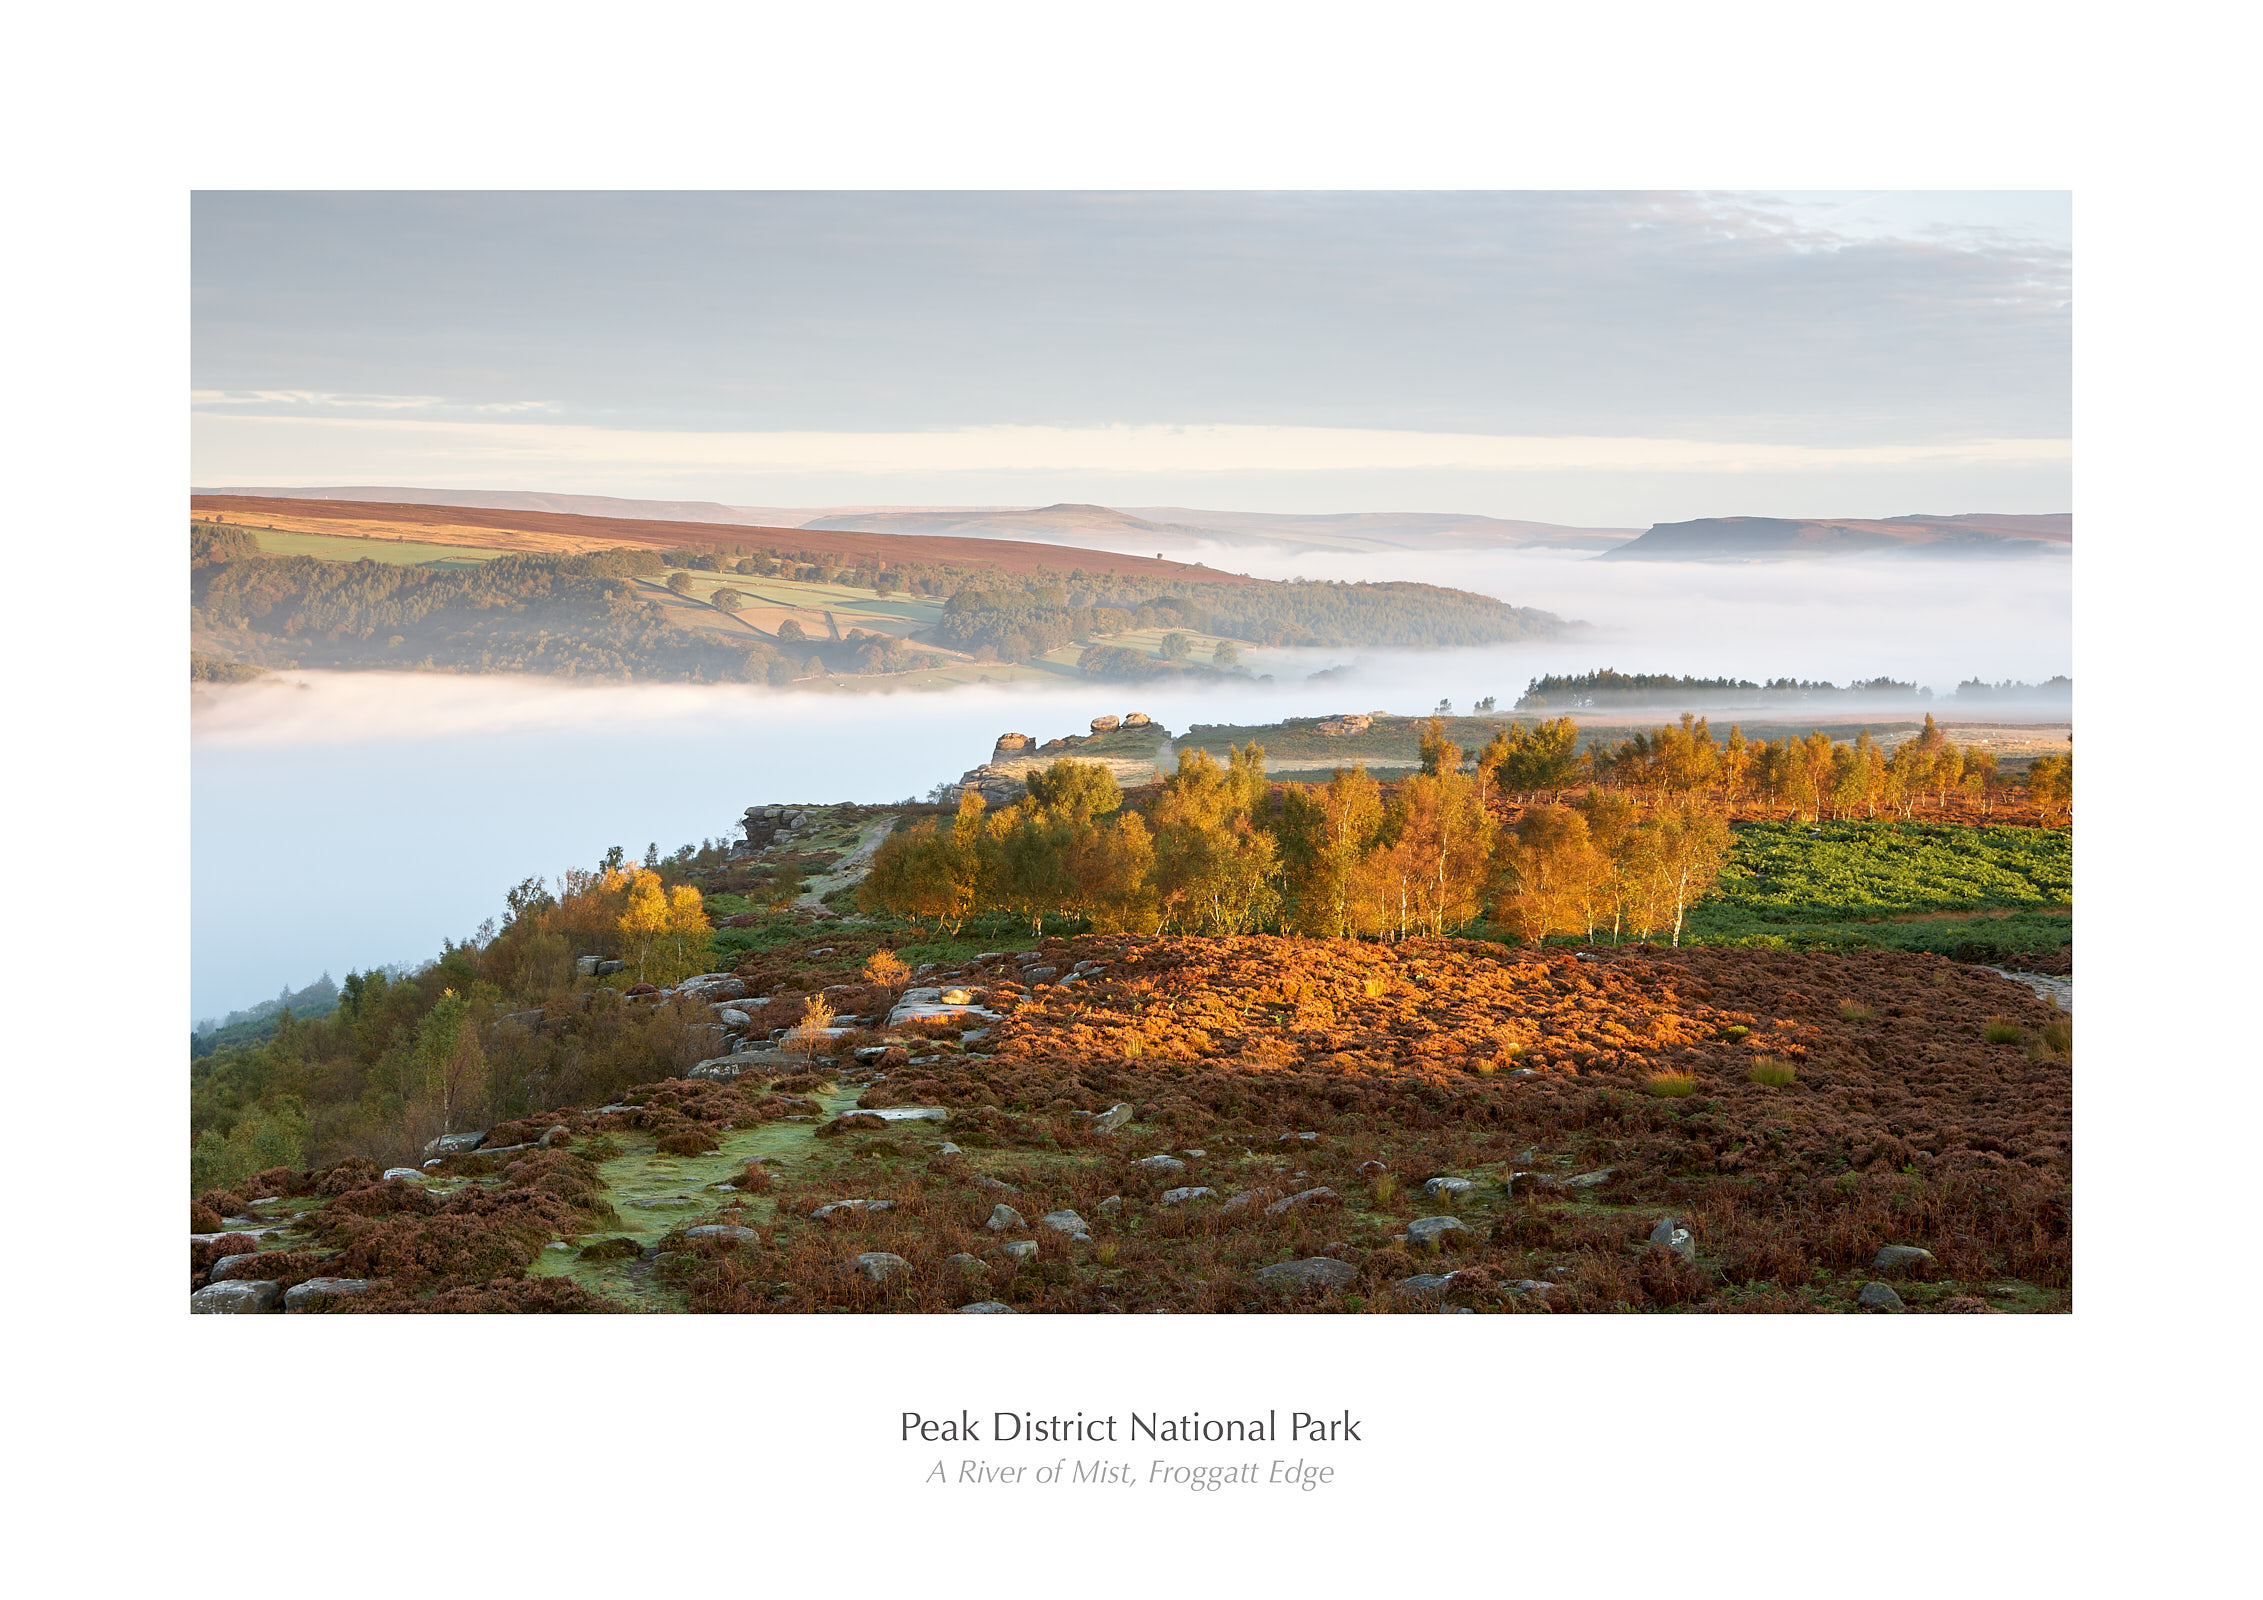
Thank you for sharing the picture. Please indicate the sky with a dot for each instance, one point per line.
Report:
(1601, 359)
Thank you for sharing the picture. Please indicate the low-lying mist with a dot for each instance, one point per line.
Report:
(343, 820)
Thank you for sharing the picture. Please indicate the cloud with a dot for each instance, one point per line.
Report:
(237, 448)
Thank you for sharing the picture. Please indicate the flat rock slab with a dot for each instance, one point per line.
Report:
(1179, 1197)
(236, 1297)
(1423, 1286)
(401, 1172)
(453, 1144)
(297, 1295)
(991, 1308)
(1161, 1166)
(1303, 1197)
(1314, 1272)
(730, 1233)
(905, 1113)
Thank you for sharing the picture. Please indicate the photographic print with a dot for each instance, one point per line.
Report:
(1058, 752)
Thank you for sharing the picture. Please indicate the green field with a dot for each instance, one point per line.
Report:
(393, 552)
(1893, 885)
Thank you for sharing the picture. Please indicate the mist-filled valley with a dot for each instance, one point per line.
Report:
(343, 820)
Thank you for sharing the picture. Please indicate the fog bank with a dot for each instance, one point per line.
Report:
(343, 820)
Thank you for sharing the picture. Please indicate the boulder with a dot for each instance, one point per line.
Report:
(1110, 1206)
(906, 1113)
(1371, 1169)
(1433, 1230)
(551, 1136)
(966, 1263)
(1004, 1217)
(1066, 1222)
(1020, 1249)
(606, 969)
(401, 1172)
(1113, 1118)
(1161, 1166)
(983, 1180)
(1447, 1187)
(987, 1308)
(238, 1266)
(238, 1296)
(1041, 974)
(1582, 1180)
(1878, 1297)
(1676, 1238)
(1179, 1197)
(1106, 724)
(452, 1144)
(877, 1265)
(732, 1017)
(296, 1297)
(1303, 1197)
(946, 1148)
(1243, 1200)
(1138, 719)
(1900, 1257)
(729, 1233)
(1314, 1272)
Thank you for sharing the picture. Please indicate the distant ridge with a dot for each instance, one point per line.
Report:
(1968, 535)
(1133, 531)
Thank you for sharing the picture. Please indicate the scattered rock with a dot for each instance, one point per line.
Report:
(1308, 1137)
(838, 1207)
(234, 1267)
(1522, 1183)
(987, 1308)
(400, 1172)
(1161, 1166)
(1066, 1222)
(727, 1232)
(1968, 1304)
(1248, 1197)
(1878, 1297)
(1582, 1180)
(237, 1296)
(1896, 1257)
(1194, 1155)
(983, 1180)
(1113, 1118)
(946, 1148)
(1179, 1197)
(879, 1264)
(1371, 1169)
(966, 1263)
(297, 1296)
(1004, 1217)
(1020, 1249)
(1436, 1187)
(1041, 974)
(1314, 1272)
(1303, 1197)
(1530, 1286)
(1433, 1230)
(1110, 1206)
(1338, 1248)
(1423, 1286)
